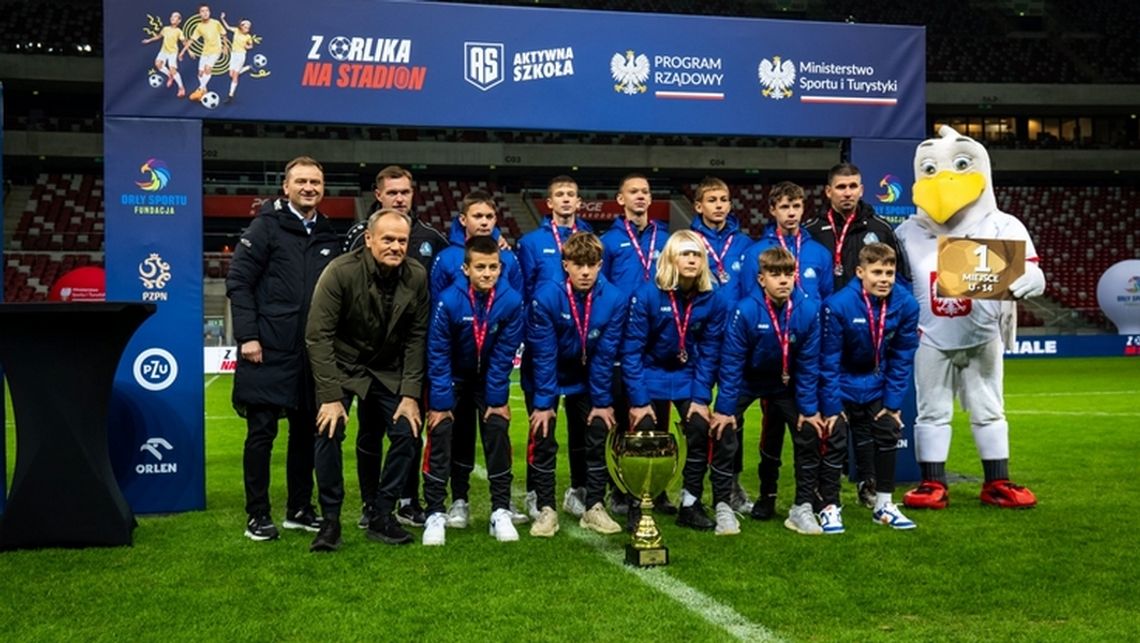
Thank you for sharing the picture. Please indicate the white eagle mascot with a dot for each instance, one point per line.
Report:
(961, 349)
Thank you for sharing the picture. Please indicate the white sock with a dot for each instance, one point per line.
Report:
(233, 88)
(404, 502)
(881, 500)
(178, 79)
(687, 499)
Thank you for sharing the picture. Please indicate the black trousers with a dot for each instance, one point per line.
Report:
(376, 411)
(704, 454)
(575, 442)
(819, 464)
(879, 438)
(446, 452)
(778, 412)
(542, 454)
(370, 454)
(261, 431)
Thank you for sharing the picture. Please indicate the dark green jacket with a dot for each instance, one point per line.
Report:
(348, 348)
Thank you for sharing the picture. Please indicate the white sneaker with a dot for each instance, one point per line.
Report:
(741, 503)
(890, 516)
(501, 526)
(517, 517)
(546, 525)
(726, 522)
(801, 519)
(459, 515)
(596, 519)
(532, 505)
(574, 501)
(435, 529)
(831, 520)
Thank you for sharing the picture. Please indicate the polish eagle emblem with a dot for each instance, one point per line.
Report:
(777, 77)
(629, 72)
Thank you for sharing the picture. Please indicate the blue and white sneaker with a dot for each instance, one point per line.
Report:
(890, 516)
(831, 520)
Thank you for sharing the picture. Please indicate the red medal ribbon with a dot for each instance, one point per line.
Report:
(784, 335)
(682, 328)
(841, 236)
(480, 330)
(558, 237)
(582, 323)
(876, 333)
(644, 260)
(796, 254)
(719, 258)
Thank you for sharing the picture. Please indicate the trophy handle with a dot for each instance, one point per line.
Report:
(611, 463)
(682, 451)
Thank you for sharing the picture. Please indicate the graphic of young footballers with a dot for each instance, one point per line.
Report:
(477, 219)
(167, 59)
(813, 277)
(771, 353)
(870, 334)
(574, 332)
(719, 229)
(670, 356)
(540, 258)
(476, 327)
(631, 248)
(242, 42)
(211, 33)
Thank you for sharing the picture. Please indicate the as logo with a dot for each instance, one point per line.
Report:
(154, 273)
(778, 77)
(483, 64)
(155, 369)
(158, 175)
(630, 73)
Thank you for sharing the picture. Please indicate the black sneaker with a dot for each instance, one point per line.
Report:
(694, 517)
(867, 493)
(661, 505)
(411, 515)
(633, 516)
(386, 530)
(366, 514)
(306, 519)
(261, 528)
(764, 508)
(328, 538)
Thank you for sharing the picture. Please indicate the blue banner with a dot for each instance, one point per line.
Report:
(448, 65)
(3, 393)
(153, 196)
(1075, 346)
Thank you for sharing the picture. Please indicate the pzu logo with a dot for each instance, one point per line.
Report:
(483, 64)
(155, 369)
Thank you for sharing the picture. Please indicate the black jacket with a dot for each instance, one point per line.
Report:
(270, 284)
(866, 228)
(424, 244)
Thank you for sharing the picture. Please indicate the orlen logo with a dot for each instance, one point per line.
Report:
(892, 189)
(158, 448)
(158, 175)
(155, 369)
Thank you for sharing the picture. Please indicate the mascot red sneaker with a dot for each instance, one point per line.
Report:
(962, 345)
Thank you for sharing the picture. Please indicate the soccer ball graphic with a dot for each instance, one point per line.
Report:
(259, 60)
(338, 47)
(210, 100)
(155, 80)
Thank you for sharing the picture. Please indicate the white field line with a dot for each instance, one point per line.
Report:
(714, 612)
(1103, 414)
(211, 381)
(1070, 394)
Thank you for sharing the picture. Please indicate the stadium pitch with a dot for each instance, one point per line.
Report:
(1063, 571)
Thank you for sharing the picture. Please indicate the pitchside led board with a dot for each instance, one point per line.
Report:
(432, 65)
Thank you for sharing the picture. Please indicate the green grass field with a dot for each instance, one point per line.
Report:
(1064, 571)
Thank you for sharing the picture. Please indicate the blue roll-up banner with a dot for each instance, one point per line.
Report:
(449, 65)
(153, 197)
(887, 168)
(3, 393)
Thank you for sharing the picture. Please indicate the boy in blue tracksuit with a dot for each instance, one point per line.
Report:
(669, 358)
(870, 334)
(477, 219)
(814, 273)
(475, 329)
(719, 230)
(574, 329)
(540, 250)
(771, 353)
(813, 278)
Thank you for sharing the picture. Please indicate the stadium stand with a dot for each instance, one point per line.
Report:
(64, 213)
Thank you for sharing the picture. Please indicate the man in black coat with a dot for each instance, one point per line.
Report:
(270, 285)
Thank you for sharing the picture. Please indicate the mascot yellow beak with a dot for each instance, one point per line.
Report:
(941, 196)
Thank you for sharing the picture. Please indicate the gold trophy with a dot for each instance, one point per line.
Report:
(642, 464)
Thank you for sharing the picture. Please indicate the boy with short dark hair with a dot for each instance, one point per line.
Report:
(476, 327)
(870, 334)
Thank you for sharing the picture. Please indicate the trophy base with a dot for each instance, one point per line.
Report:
(653, 557)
